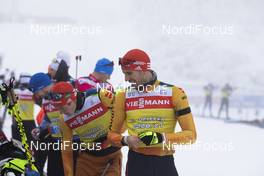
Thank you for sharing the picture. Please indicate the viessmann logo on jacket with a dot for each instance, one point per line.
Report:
(159, 98)
(86, 116)
(148, 102)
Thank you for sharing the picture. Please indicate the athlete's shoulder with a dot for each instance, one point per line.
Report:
(178, 92)
(106, 97)
(120, 94)
(106, 93)
(180, 99)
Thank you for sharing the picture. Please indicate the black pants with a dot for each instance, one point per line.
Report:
(55, 164)
(224, 104)
(75, 153)
(208, 103)
(145, 165)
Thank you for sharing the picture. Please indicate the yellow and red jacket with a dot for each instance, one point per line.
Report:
(54, 117)
(91, 122)
(158, 109)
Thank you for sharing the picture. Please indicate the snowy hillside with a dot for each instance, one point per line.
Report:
(232, 53)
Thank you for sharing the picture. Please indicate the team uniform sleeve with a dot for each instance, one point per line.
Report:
(66, 152)
(106, 97)
(118, 120)
(40, 116)
(110, 87)
(185, 119)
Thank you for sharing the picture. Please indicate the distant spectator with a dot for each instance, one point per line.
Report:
(226, 93)
(208, 90)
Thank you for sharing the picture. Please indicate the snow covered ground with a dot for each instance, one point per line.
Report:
(223, 149)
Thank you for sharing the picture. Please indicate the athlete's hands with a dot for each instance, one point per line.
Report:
(35, 133)
(131, 141)
(103, 140)
(29, 172)
(40, 134)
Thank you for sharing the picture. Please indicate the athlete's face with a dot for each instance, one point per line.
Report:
(69, 108)
(41, 93)
(52, 73)
(103, 77)
(135, 77)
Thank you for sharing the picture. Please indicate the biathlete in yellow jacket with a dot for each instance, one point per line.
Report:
(151, 109)
(26, 108)
(88, 114)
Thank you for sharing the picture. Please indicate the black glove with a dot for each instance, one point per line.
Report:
(44, 133)
(151, 138)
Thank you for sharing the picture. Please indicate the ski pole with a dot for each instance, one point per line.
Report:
(77, 58)
(109, 163)
(9, 99)
(2, 120)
